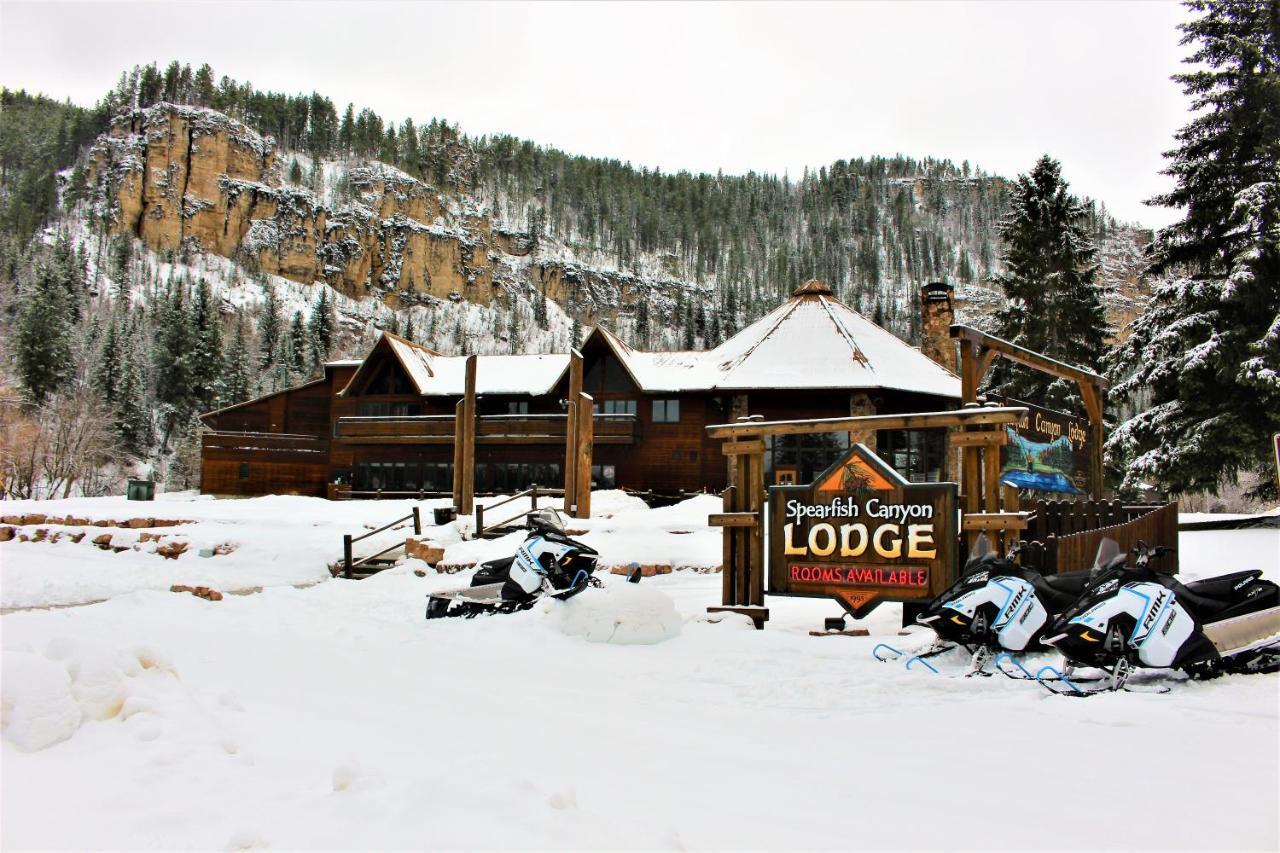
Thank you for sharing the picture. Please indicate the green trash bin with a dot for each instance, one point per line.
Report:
(141, 490)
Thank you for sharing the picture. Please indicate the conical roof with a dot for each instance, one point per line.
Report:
(815, 341)
(811, 341)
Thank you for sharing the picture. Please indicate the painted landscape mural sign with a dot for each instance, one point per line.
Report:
(862, 534)
(1048, 451)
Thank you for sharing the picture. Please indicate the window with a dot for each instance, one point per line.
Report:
(387, 477)
(387, 410)
(666, 411)
(518, 407)
(244, 470)
(916, 454)
(806, 456)
(604, 476)
(615, 407)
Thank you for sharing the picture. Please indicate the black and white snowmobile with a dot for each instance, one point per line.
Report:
(998, 608)
(1135, 617)
(548, 562)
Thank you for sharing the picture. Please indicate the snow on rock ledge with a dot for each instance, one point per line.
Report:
(625, 614)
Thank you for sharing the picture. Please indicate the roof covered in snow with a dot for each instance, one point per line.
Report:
(435, 374)
(810, 342)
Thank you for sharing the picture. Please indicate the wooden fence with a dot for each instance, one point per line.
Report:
(1066, 534)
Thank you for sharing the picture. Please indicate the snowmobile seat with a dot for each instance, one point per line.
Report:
(1223, 587)
(1069, 582)
(494, 571)
(1061, 591)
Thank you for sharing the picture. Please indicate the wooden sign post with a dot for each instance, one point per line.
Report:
(585, 434)
(571, 434)
(464, 444)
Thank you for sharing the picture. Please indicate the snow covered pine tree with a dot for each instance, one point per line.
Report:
(1053, 303)
(1205, 354)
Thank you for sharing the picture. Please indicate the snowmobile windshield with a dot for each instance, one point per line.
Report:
(1108, 552)
(546, 519)
(980, 551)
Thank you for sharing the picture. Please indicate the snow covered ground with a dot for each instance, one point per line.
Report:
(328, 714)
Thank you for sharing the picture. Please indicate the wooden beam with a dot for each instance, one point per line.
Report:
(468, 436)
(733, 519)
(571, 432)
(582, 464)
(991, 478)
(755, 501)
(984, 365)
(459, 413)
(923, 420)
(986, 438)
(733, 448)
(1022, 355)
(995, 521)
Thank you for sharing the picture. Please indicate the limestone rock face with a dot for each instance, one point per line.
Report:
(182, 177)
(192, 179)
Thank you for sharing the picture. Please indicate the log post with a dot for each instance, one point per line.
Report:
(417, 522)
(586, 440)
(346, 555)
(738, 410)
(459, 415)
(571, 432)
(468, 496)
(755, 483)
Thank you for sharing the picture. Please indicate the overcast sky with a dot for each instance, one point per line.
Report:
(729, 86)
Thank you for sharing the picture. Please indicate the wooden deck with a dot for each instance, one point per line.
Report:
(490, 430)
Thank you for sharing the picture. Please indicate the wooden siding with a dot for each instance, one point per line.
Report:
(262, 463)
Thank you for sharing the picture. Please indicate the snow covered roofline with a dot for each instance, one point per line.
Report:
(434, 374)
(811, 341)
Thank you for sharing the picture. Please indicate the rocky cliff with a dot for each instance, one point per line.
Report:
(185, 178)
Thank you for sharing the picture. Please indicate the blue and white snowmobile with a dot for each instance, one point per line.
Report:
(548, 562)
(998, 609)
(1135, 617)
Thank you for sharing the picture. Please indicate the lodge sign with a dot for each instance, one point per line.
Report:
(862, 534)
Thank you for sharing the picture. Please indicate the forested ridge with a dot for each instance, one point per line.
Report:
(103, 331)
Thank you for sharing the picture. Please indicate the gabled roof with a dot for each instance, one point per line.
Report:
(434, 374)
(812, 341)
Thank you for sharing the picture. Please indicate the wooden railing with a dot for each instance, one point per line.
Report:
(284, 446)
(490, 429)
(1068, 534)
(532, 493)
(348, 563)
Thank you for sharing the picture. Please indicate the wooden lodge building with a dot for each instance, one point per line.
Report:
(383, 426)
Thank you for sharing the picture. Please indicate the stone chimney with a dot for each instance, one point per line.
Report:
(937, 313)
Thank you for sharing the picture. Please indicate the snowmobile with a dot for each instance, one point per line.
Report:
(1135, 617)
(548, 562)
(999, 608)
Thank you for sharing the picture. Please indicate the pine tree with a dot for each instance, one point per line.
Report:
(540, 309)
(320, 329)
(268, 329)
(207, 364)
(104, 377)
(132, 421)
(238, 382)
(1053, 303)
(1203, 359)
(642, 321)
(42, 343)
(184, 470)
(300, 348)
